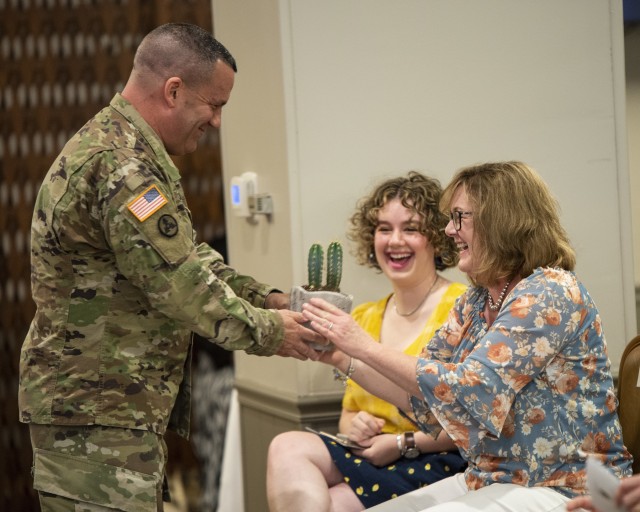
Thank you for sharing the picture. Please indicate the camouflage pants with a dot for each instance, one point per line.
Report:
(96, 468)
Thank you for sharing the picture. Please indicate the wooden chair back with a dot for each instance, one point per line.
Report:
(629, 399)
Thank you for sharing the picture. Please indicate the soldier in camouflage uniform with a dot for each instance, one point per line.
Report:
(120, 283)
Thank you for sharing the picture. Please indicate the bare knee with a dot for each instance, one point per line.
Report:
(300, 455)
(294, 444)
(298, 466)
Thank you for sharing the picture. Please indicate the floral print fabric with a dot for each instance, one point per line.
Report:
(527, 399)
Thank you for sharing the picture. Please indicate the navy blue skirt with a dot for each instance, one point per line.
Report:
(374, 485)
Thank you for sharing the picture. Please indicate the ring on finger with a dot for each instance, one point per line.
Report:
(330, 326)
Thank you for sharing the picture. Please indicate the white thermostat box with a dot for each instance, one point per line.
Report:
(242, 188)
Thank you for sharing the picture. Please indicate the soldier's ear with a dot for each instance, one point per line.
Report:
(172, 88)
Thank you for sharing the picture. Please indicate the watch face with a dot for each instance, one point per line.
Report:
(412, 453)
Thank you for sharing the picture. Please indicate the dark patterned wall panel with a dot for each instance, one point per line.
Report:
(60, 62)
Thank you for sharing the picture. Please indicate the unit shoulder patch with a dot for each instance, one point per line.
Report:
(168, 226)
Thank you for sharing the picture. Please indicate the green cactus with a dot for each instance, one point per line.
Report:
(334, 266)
(315, 265)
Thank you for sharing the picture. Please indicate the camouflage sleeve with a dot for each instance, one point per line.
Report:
(243, 286)
(150, 231)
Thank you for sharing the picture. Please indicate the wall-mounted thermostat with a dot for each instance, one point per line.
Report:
(242, 188)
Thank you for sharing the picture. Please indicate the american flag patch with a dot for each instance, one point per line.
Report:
(150, 201)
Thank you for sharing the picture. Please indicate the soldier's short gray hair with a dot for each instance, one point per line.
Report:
(181, 49)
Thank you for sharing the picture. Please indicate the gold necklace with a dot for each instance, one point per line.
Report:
(495, 306)
(421, 302)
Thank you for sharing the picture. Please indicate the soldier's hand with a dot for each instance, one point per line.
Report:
(277, 300)
(297, 337)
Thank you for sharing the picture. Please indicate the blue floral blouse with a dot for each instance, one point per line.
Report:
(527, 399)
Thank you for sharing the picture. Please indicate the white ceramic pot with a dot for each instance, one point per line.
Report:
(300, 296)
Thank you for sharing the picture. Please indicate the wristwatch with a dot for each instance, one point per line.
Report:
(411, 451)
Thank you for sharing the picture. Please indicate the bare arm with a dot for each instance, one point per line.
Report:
(380, 370)
(427, 444)
(371, 380)
(346, 417)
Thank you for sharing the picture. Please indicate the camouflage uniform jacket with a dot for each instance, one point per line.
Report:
(120, 283)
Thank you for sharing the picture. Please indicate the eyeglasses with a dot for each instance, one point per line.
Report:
(456, 217)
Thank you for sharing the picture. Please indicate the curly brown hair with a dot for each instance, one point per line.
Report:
(421, 195)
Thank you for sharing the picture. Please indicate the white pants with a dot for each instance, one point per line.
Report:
(453, 495)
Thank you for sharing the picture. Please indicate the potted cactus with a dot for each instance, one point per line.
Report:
(330, 291)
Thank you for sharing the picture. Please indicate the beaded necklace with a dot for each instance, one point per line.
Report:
(495, 306)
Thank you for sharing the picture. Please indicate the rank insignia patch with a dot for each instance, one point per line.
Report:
(168, 226)
(150, 201)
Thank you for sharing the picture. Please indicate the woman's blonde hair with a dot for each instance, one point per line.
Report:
(515, 220)
(418, 193)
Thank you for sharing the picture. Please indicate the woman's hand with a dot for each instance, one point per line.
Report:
(581, 503)
(627, 497)
(628, 493)
(382, 371)
(383, 450)
(363, 427)
(336, 326)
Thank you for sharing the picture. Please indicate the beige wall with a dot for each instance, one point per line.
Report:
(332, 96)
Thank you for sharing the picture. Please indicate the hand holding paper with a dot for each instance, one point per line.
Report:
(602, 485)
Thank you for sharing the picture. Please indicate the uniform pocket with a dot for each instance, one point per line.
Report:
(93, 482)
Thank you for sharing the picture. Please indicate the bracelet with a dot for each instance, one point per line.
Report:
(399, 441)
(338, 375)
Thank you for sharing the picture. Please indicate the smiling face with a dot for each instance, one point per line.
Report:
(199, 107)
(464, 237)
(403, 253)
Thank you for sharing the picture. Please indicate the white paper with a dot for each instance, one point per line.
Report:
(602, 484)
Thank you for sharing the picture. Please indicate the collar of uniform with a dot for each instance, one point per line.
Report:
(126, 109)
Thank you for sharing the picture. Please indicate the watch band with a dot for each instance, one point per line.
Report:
(409, 441)
(411, 450)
